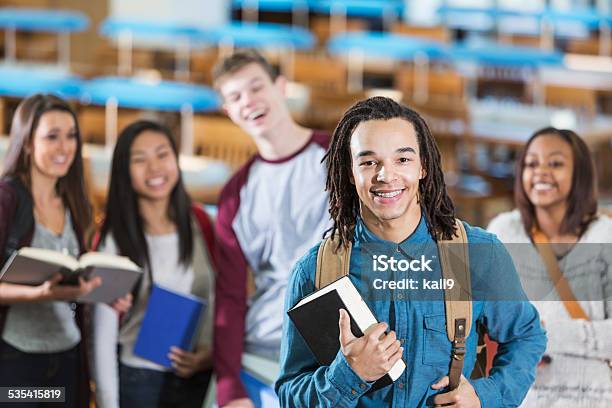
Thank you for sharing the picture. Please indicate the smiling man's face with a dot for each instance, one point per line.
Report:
(386, 169)
(252, 99)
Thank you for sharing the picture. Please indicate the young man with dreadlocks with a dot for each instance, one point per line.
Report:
(271, 211)
(386, 188)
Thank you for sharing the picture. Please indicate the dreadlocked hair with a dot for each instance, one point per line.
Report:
(435, 203)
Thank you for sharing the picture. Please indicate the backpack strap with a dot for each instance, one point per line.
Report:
(332, 261)
(458, 300)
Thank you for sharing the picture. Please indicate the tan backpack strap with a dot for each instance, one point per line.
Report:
(332, 264)
(455, 265)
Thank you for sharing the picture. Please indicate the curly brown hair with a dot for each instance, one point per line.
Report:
(435, 203)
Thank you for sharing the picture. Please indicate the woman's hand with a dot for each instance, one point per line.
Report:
(186, 363)
(53, 290)
(123, 304)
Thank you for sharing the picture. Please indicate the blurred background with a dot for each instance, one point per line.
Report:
(484, 73)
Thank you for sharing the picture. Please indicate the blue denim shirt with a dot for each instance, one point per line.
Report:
(421, 327)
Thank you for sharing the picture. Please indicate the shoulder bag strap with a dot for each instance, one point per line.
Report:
(562, 286)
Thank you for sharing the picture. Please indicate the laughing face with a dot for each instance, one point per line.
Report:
(386, 169)
(153, 166)
(252, 100)
(54, 144)
(547, 171)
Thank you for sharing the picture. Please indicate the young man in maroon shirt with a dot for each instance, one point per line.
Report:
(271, 211)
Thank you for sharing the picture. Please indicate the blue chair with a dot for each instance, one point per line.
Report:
(383, 45)
(60, 22)
(359, 8)
(269, 5)
(394, 46)
(495, 54)
(280, 38)
(20, 82)
(179, 37)
(519, 22)
(496, 61)
(547, 23)
(262, 35)
(577, 23)
(298, 8)
(116, 92)
(168, 31)
(477, 19)
(388, 11)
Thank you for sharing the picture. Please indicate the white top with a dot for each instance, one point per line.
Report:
(281, 213)
(578, 375)
(167, 272)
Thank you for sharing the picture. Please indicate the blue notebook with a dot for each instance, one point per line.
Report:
(262, 394)
(171, 319)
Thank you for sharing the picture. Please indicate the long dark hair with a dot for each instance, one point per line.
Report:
(582, 198)
(18, 161)
(123, 219)
(437, 207)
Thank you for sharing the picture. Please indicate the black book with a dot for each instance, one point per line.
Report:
(316, 319)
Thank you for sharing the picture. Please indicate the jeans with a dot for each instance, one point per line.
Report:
(140, 387)
(19, 369)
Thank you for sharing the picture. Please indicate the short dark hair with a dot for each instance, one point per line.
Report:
(437, 206)
(582, 198)
(18, 161)
(123, 219)
(239, 60)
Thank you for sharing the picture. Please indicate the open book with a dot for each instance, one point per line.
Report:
(316, 318)
(33, 266)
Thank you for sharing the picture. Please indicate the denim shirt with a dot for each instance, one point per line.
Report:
(421, 327)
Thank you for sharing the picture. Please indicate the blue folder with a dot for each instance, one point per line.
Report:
(262, 394)
(171, 319)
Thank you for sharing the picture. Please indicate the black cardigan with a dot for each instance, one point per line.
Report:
(9, 209)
